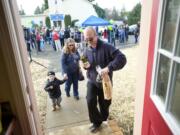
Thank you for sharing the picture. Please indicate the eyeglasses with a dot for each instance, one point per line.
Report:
(89, 39)
(71, 45)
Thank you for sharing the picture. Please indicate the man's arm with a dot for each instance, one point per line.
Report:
(118, 60)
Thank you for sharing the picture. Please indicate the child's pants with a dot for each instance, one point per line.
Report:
(56, 101)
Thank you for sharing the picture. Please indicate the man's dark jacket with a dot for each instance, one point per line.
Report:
(105, 55)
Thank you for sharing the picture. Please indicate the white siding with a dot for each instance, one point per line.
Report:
(78, 9)
(81, 11)
(26, 20)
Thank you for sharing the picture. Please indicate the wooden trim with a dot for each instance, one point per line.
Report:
(15, 55)
(11, 127)
(25, 63)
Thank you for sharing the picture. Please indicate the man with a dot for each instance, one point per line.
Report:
(99, 53)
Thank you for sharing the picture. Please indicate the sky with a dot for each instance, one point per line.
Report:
(29, 6)
(118, 4)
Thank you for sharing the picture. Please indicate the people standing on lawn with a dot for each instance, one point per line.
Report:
(109, 59)
(70, 67)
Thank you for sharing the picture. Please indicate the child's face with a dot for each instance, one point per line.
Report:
(51, 77)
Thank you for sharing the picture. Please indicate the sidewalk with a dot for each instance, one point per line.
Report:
(71, 113)
(107, 128)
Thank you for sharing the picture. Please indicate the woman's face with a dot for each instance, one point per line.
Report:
(71, 46)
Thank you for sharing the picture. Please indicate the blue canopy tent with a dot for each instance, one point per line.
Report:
(95, 21)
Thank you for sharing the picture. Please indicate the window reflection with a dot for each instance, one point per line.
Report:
(175, 107)
(163, 75)
(170, 26)
(178, 44)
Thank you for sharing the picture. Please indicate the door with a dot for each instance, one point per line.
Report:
(20, 91)
(161, 115)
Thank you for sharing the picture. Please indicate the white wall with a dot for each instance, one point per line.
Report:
(26, 20)
(55, 7)
(142, 64)
(78, 9)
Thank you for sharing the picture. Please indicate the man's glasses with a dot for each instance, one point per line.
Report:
(89, 39)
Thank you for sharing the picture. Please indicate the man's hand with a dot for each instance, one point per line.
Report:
(51, 87)
(86, 65)
(104, 71)
(65, 77)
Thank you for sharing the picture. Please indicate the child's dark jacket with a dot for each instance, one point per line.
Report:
(55, 92)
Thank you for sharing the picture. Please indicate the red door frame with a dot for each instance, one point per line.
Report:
(153, 123)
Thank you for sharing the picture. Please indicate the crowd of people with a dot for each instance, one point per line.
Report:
(37, 38)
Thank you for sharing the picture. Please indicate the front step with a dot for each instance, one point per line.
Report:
(108, 128)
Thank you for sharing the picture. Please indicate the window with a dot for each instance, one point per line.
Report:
(166, 85)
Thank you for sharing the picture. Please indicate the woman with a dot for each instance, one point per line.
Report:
(70, 67)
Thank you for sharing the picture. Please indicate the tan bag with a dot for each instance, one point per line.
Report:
(107, 87)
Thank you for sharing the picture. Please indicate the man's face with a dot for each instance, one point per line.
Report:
(51, 77)
(90, 38)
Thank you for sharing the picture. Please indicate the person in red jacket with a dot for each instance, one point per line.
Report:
(56, 40)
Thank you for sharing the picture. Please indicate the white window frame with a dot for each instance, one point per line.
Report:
(164, 109)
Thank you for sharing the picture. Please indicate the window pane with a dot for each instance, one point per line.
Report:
(175, 107)
(178, 44)
(171, 16)
(163, 75)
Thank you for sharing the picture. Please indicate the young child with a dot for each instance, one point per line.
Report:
(53, 89)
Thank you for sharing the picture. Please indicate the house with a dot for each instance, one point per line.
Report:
(77, 9)
(157, 110)
(29, 20)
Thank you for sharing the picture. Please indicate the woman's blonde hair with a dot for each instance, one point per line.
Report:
(66, 48)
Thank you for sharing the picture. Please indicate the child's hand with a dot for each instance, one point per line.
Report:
(65, 77)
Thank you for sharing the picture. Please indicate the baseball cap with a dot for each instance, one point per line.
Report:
(51, 73)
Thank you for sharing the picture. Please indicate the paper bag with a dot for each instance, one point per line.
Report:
(107, 87)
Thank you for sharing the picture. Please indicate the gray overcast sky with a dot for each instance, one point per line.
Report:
(29, 6)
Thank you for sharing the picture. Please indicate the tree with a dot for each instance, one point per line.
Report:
(48, 22)
(115, 14)
(112, 14)
(123, 14)
(135, 15)
(67, 20)
(38, 10)
(73, 22)
(46, 6)
(21, 12)
(91, 0)
(100, 12)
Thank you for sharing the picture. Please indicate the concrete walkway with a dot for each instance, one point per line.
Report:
(71, 113)
(107, 128)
